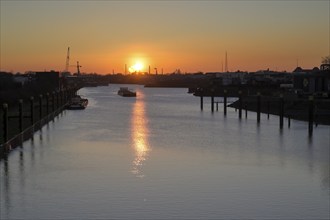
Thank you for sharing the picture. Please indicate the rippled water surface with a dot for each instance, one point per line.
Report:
(157, 156)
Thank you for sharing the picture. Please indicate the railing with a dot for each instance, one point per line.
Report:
(19, 123)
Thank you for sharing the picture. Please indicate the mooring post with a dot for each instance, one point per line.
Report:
(5, 122)
(281, 113)
(66, 96)
(32, 110)
(212, 100)
(225, 102)
(212, 103)
(202, 93)
(57, 100)
(53, 102)
(310, 115)
(268, 108)
(258, 107)
(20, 115)
(40, 107)
(62, 101)
(289, 122)
(246, 110)
(62, 98)
(240, 103)
(47, 103)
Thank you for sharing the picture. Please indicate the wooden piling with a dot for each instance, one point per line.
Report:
(246, 110)
(240, 104)
(20, 115)
(202, 103)
(258, 107)
(47, 103)
(212, 102)
(5, 122)
(225, 102)
(32, 110)
(40, 107)
(289, 122)
(310, 114)
(66, 95)
(57, 100)
(268, 108)
(53, 102)
(62, 97)
(281, 110)
(62, 101)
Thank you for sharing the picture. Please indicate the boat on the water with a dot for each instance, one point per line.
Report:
(124, 91)
(77, 103)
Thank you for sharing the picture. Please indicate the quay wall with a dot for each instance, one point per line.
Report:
(19, 121)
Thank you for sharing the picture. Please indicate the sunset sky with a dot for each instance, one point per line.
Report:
(187, 35)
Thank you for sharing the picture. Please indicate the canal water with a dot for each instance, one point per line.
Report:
(157, 156)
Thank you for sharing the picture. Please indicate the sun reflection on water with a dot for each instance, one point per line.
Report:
(139, 135)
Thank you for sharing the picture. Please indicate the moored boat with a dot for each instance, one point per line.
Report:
(77, 103)
(124, 91)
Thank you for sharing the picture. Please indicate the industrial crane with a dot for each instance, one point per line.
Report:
(67, 63)
(78, 68)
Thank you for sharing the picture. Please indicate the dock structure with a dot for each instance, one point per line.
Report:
(276, 105)
(19, 124)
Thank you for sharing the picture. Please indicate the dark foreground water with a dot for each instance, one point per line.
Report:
(158, 156)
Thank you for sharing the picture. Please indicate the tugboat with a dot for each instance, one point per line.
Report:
(77, 103)
(125, 92)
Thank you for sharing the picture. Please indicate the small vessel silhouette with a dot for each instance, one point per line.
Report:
(77, 103)
(125, 92)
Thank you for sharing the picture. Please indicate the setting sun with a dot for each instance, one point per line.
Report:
(137, 67)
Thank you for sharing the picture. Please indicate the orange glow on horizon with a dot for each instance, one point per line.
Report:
(137, 67)
(252, 32)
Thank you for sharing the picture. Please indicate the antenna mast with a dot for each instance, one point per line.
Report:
(67, 60)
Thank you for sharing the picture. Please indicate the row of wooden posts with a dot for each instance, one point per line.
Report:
(258, 110)
(55, 102)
